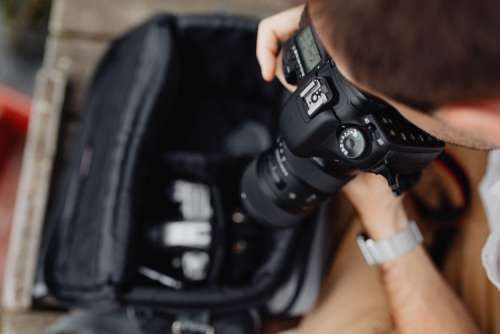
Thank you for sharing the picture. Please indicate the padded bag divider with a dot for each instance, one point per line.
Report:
(87, 252)
(145, 80)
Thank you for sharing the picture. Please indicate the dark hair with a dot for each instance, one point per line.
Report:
(421, 53)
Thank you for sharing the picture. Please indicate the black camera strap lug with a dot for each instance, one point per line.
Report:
(393, 179)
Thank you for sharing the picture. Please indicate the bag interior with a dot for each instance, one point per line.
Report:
(200, 121)
(221, 117)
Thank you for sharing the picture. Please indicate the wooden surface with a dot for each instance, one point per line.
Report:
(9, 177)
(101, 19)
(79, 56)
(80, 31)
(26, 323)
(33, 189)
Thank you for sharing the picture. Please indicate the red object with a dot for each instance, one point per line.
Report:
(14, 109)
(14, 117)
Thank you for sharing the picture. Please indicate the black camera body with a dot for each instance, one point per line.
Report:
(328, 129)
(328, 117)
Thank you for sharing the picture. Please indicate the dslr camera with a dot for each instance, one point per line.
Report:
(328, 129)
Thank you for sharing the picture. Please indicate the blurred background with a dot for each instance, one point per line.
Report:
(68, 36)
(80, 31)
(23, 30)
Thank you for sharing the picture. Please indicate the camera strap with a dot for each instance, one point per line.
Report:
(447, 214)
(445, 218)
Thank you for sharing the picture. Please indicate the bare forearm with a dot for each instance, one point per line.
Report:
(421, 301)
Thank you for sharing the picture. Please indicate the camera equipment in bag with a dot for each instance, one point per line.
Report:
(146, 221)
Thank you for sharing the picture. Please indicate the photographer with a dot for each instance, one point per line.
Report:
(437, 62)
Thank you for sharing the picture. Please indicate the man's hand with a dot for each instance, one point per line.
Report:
(421, 301)
(381, 211)
(272, 31)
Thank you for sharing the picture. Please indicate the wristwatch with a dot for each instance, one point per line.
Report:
(380, 251)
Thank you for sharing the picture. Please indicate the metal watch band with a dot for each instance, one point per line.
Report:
(377, 252)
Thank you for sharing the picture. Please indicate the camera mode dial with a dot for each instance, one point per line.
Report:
(352, 143)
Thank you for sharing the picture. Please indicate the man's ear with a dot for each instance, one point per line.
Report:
(482, 117)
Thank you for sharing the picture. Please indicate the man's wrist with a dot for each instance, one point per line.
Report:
(382, 224)
(404, 263)
(377, 252)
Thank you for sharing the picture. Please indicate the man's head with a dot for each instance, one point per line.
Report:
(437, 61)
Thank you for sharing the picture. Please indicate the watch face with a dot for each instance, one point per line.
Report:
(309, 52)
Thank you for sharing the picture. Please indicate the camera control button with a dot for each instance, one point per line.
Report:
(291, 67)
(371, 128)
(315, 95)
(352, 143)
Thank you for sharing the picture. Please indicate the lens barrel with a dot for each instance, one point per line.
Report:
(280, 188)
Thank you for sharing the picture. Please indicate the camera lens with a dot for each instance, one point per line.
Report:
(352, 142)
(279, 188)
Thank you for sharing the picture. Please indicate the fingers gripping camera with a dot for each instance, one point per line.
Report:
(328, 129)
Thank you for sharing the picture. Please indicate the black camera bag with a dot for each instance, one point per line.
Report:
(173, 84)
